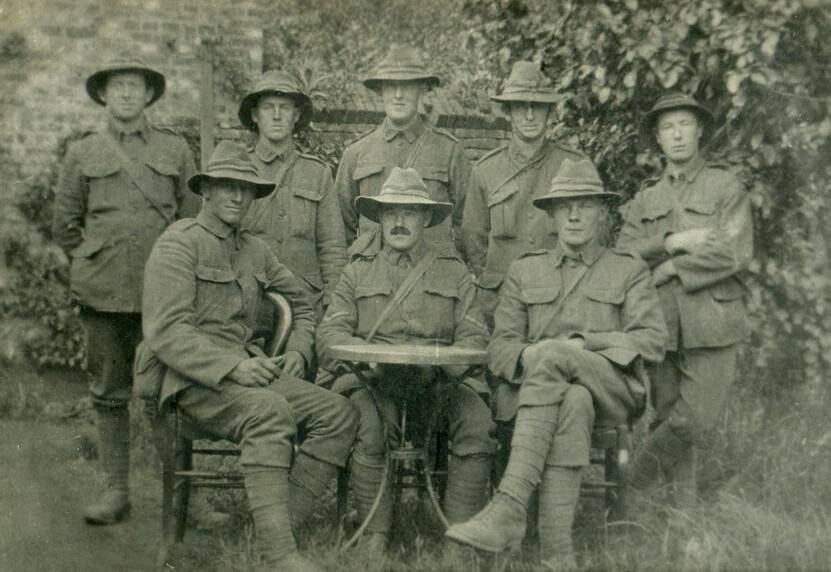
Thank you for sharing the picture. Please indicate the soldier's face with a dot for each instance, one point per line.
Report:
(275, 116)
(529, 120)
(403, 226)
(126, 95)
(401, 99)
(579, 221)
(678, 133)
(228, 200)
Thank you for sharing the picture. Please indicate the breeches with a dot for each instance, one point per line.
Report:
(689, 390)
(111, 345)
(263, 421)
(466, 417)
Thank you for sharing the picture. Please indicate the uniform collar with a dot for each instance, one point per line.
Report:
(140, 128)
(215, 226)
(270, 155)
(587, 256)
(685, 173)
(410, 257)
(410, 133)
(519, 159)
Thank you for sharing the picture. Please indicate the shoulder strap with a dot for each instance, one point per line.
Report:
(414, 152)
(133, 172)
(403, 290)
(560, 301)
(261, 206)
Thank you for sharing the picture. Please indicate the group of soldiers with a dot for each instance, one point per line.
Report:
(407, 244)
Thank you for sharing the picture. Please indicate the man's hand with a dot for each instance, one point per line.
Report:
(664, 272)
(293, 363)
(688, 240)
(255, 372)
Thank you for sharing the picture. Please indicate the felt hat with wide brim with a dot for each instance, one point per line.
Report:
(231, 162)
(403, 187)
(527, 83)
(575, 180)
(98, 80)
(276, 82)
(402, 63)
(669, 102)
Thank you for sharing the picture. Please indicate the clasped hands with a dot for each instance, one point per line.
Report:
(680, 243)
(262, 371)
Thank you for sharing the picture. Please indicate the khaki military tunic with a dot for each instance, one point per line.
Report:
(436, 155)
(300, 220)
(500, 222)
(606, 298)
(105, 223)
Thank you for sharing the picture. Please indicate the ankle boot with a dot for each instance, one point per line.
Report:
(309, 480)
(559, 493)
(662, 451)
(497, 527)
(468, 483)
(114, 438)
(268, 494)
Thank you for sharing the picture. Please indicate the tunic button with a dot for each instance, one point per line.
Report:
(531, 241)
(280, 239)
(281, 214)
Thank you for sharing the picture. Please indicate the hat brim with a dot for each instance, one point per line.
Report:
(98, 81)
(261, 187)
(526, 96)
(650, 120)
(370, 207)
(249, 102)
(588, 193)
(375, 82)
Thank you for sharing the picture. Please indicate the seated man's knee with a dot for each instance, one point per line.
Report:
(370, 429)
(472, 428)
(578, 401)
(268, 431)
(549, 352)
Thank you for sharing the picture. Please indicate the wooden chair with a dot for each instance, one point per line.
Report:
(174, 436)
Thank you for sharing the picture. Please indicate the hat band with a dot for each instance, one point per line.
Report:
(568, 187)
(232, 167)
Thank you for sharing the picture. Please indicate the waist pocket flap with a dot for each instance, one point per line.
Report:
(605, 295)
(261, 278)
(87, 248)
(441, 175)
(654, 212)
(215, 274)
(540, 295)
(490, 279)
(365, 170)
(101, 168)
(443, 290)
(503, 194)
(308, 194)
(162, 166)
(728, 290)
(372, 290)
(701, 205)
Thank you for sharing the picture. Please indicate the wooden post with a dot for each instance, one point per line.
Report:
(206, 100)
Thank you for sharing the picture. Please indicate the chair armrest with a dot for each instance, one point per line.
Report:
(282, 323)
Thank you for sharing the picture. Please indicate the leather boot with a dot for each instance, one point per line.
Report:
(268, 494)
(662, 451)
(367, 472)
(468, 483)
(114, 438)
(309, 480)
(497, 527)
(559, 493)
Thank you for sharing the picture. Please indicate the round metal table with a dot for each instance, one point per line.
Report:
(406, 456)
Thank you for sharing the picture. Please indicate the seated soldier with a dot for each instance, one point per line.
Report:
(203, 281)
(568, 328)
(439, 309)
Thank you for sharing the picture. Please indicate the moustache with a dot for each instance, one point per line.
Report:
(399, 230)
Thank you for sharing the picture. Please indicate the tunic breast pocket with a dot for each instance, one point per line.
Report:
(439, 311)
(698, 214)
(503, 208)
(216, 286)
(104, 195)
(166, 175)
(438, 181)
(368, 177)
(304, 203)
(540, 306)
(657, 219)
(370, 300)
(602, 310)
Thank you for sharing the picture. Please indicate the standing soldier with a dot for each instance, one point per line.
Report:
(499, 222)
(404, 139)
(693, 227)
(300, 220)
(118, 190)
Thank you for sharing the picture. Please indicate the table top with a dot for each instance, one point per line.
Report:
(409, 354)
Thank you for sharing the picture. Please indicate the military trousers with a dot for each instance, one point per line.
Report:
(466, 417)
(690, 388)
(111, 345)
(264, 421)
